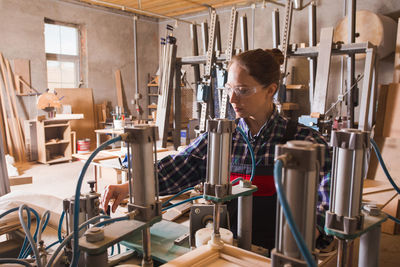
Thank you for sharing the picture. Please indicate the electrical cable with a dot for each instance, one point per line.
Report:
(28, 234)
(379, 156)
(70, 236)
(77, 196)
(182, 202)
(288, 214)
(177, 195)
(253, 160)
(15, 261)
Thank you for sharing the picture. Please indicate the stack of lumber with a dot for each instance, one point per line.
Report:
(10, 123)
(387, 137)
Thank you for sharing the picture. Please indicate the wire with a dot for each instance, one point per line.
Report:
(237, 180)
(393, 218)
(253, 160)
(77, 196)
(177, 195)
(28, 234)
(182, 202)
(16, 261)
(288, 214)
(70, 236)
(379, 156)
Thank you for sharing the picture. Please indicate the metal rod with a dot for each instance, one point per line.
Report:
(135, 54)
(351, 16)
(244, 33)
(147, 260)
(217, 218)
(245, 220)
(369, 248)
(129, 173)
(312, 41)
(253, 15)
(276, 38)
(342, 253)
(156, 166)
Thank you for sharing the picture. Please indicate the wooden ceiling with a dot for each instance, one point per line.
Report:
(170, 8)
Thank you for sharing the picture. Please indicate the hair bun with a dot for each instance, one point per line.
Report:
(277, 54)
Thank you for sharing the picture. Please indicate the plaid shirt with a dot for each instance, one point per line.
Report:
(188, 168)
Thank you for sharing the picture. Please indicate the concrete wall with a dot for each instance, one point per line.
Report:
(109, 46)
(329, 13)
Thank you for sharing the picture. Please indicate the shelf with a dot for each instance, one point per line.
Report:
(58, 160)
(152, 85)
(56, 143)
(152, 106)
(56, 125)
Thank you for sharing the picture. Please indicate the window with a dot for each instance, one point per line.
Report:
(62, 46)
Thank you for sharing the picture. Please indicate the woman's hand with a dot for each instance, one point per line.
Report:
(117, 192)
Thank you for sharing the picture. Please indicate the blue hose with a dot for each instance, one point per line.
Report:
(288, 214)
(379, 156)
(237, 180)
(52, 244)
(177, 195)
(60, 227)
(182, 202)
(77, 196)
(253, 160)
(393, 218)
(111, 220)
(28, 249)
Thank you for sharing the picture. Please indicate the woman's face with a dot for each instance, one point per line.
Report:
(247, 96)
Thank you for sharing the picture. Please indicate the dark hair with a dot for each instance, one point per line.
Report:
(262, 65)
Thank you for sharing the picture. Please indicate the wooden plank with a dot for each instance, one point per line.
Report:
(396, 70)
(118, 81)
(380, 112)
(19, 180)
(391, 127)
(22, 69)
(13, 127)
(81, 101)
(20, 137)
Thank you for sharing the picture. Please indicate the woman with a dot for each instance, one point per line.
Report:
(253, 79)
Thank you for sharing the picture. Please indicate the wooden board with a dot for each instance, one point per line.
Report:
(391, 127)
(22, 69)
(118, 83)
(396, 71)
(380, 112)
(19, 180)
(81, 101)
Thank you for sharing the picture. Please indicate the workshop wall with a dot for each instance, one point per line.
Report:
(329, 13)
(109, 46)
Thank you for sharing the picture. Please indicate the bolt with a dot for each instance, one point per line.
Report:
(197, 210)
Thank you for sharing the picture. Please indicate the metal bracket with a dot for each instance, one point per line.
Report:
(146, 213)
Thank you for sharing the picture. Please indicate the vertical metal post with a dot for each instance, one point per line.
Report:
(217, 36)
(137, 95)
(369, 248)
(245, 221)
(97, 260)
(147, 260)
(312, 41)
(244, 33)
(276, 38)
(177, 107)
(342, 253)
(351, 16)
(196, 67)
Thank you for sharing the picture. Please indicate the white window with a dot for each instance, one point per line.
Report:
(62, 46)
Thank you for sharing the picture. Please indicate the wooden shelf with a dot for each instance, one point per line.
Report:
(61, 159)
(56, 125)
(57, 143)
(152, 106)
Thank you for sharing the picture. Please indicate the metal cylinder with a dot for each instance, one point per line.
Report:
(369, 248)
(243, 33)
(96, 260)
(245, 221)
(141, 140)
(147, 260)
(300, 183)
(219, 151)
(349, 147)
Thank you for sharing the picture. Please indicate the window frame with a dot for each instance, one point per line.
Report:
(76, 59)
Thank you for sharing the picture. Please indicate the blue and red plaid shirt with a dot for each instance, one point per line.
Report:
(188, 168)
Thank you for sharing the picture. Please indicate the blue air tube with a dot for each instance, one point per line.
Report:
(288, 214)
(177, 195)
(393, 218)
(379, 156)
(182, 202)
(60, 227)
(78, 193)
(28, 249)
(253, 160)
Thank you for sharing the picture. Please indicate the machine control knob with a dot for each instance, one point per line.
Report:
(91, 184)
